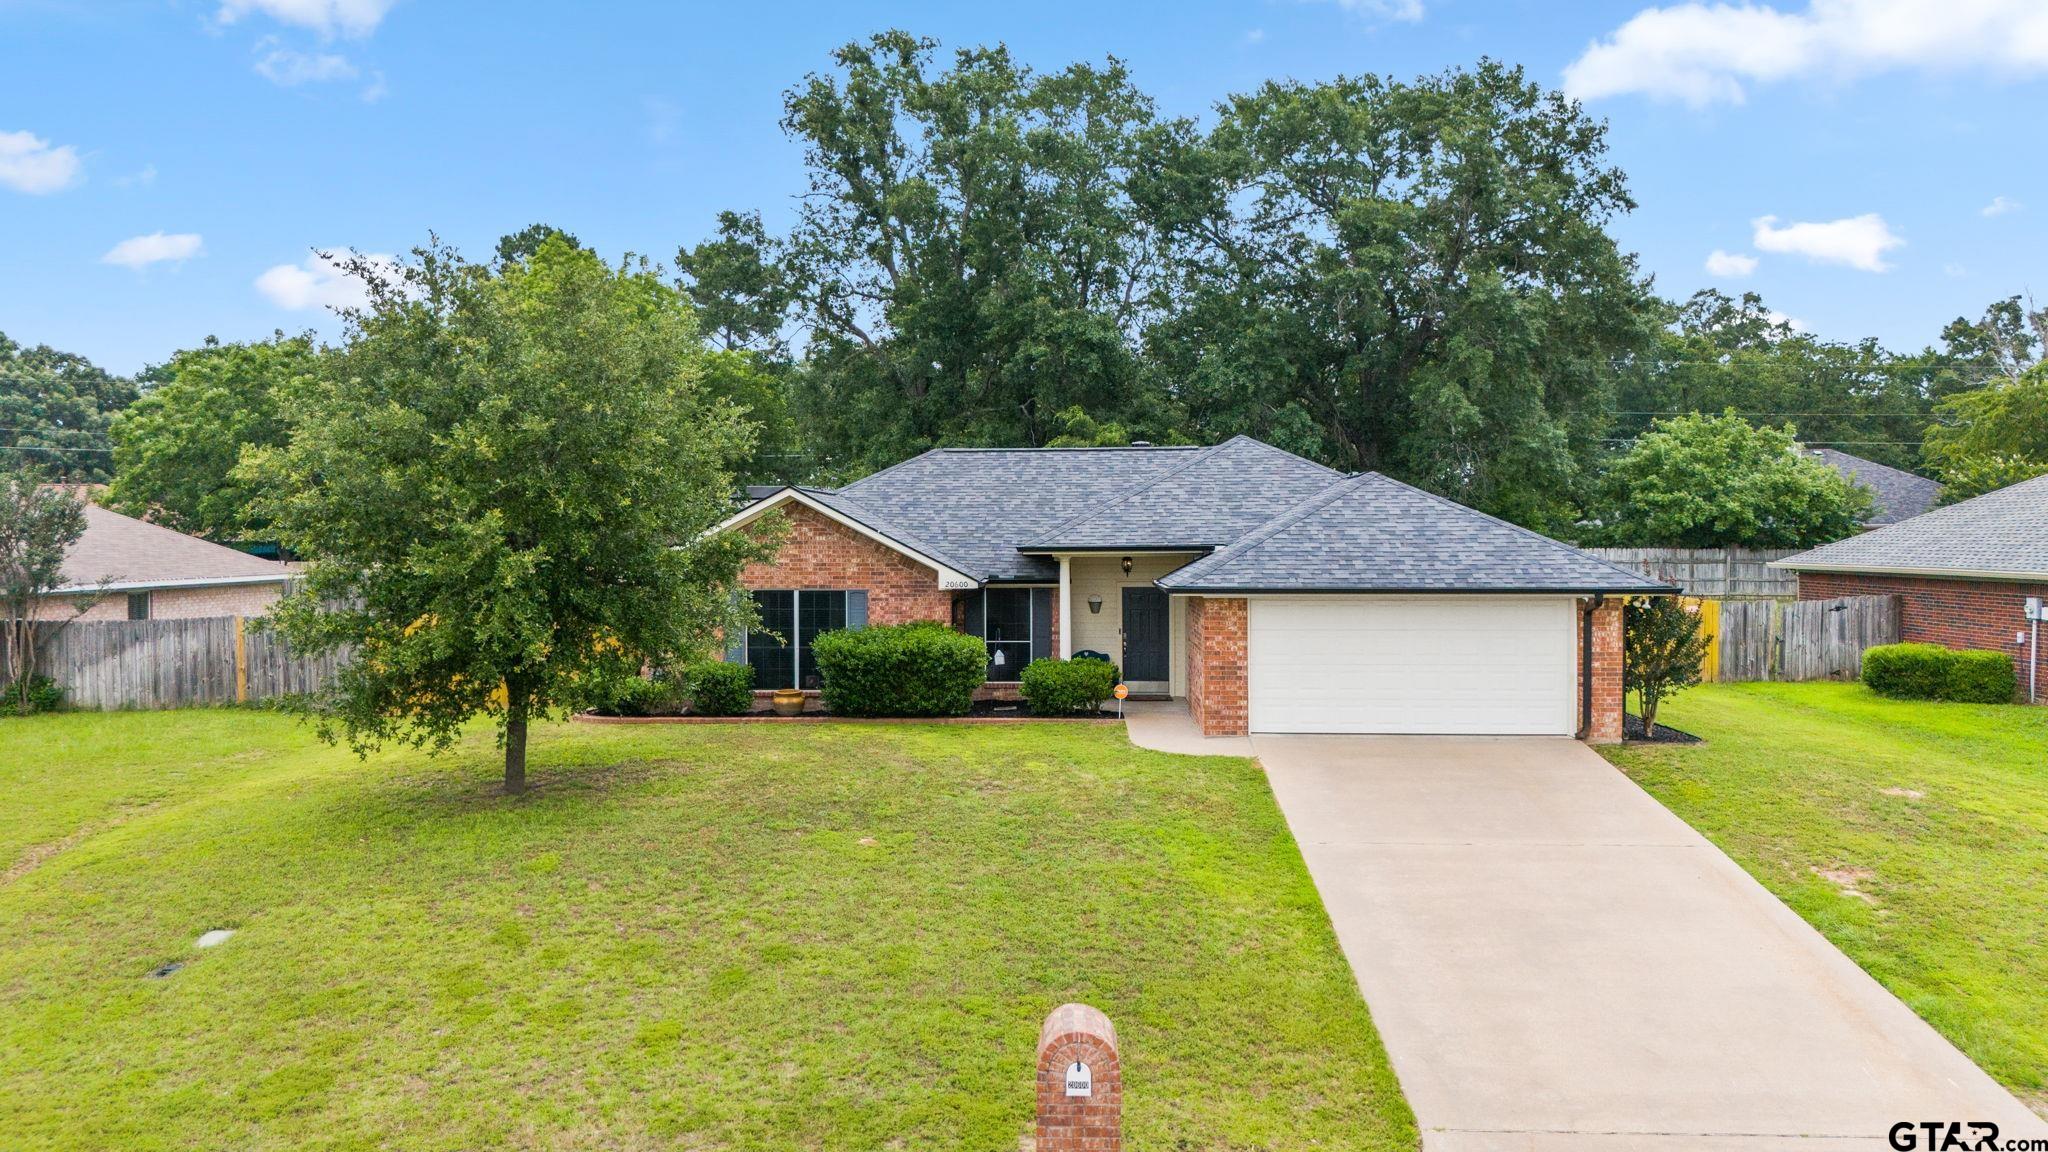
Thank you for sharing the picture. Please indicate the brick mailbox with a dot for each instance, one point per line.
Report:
(1080, 1083)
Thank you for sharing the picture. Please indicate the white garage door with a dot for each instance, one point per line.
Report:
(1429, 664)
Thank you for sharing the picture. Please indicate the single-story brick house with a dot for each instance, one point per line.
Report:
(1963, 573)
(144, 571)
(1895, 493)
(1271, 593)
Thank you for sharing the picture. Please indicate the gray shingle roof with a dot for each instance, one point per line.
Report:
(1369, 533)
(2002, 533)
(976, 505)
(124, 551)
(1208, 500)
(1899, 495)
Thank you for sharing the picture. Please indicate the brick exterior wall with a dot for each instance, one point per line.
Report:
(1607, 682)
(188, 603)
(821, 553)
(1218, 668)
(1983, 614)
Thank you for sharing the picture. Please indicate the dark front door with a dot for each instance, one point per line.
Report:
(1145, 635)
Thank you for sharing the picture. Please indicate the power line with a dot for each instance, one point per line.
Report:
(40, 448)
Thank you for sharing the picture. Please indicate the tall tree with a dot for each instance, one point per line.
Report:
(1717, 352)
(54, 408)
(505, 476)
(1993, 436)
(515, 247)
(176, 448)
(39, 523)
(1721, 482)
(967, 261)
(1414, 274)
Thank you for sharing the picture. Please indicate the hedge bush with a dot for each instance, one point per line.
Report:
(919, 669)
(716, 688)
(44, 695)
(639, 696)
(1055, 687)
(1931, 672)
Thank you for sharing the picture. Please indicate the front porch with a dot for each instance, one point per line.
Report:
(1109, 604)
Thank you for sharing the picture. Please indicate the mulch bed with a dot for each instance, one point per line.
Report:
(1632, 731)
(982, 712)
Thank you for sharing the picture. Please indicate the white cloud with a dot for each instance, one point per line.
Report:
(1706, 53)
(376, 90)
(289, 68)
(1999, 206)
(155, 248)
(319, 281)
(1857, 241)
(1407, 10)
(28, 164)
(1255, 36)
(142, 178)
(327, 17)
(1792, 322)
(1729, 265)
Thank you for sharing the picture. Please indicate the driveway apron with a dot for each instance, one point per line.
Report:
(1557, 962)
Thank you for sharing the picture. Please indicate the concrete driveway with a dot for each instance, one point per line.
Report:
(1557, 962)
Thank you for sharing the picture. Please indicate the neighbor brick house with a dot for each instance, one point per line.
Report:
(1271, 593)
(1963, 574)
(134, 570)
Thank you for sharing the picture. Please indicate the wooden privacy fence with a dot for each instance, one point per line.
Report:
(1717, 573)
(1805, 639)
(170, 663)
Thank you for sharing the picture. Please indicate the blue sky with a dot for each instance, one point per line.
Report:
(1895, 145)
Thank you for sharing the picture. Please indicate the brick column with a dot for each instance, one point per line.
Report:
(1079, 1109)
(1607, 692)
(1218, 671)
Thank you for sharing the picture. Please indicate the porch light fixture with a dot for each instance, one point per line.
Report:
(1095, 605)
(1127, 565)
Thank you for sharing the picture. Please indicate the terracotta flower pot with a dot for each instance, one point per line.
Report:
(788, 702)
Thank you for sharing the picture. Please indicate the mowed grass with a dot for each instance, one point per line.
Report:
(1913, 835)
(700, 937)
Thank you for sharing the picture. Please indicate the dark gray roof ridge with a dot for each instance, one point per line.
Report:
(867, 517)
(1529, 532)
(1088, 514)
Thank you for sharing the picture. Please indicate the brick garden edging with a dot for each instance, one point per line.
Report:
(822, 718)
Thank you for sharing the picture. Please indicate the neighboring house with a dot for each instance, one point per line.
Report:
(1896, 494)
(149, 572)
(1962, 573)
(1270, 592)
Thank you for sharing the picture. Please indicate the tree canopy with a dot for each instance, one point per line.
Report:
(54, 409)
(1718, 481)
(176, 448)
(504, 476)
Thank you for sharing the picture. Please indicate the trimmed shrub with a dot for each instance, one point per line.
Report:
(1931, 672)
(918, 669)
(1056, 687)
(1977, 676)
(716, 688)
(639, 696)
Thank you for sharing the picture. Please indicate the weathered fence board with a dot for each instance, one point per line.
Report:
(1806, 639)
(169, 663)
(1718, 573)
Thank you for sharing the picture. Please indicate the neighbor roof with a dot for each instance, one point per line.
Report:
(1898, 494)
(1206, 501)
(1370, 533)
(122, 552)
(1999, 535)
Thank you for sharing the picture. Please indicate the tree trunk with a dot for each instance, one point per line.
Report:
(515, 739)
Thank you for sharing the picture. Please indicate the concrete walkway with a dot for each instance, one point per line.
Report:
(1557, 962)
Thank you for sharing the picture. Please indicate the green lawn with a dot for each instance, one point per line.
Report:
(1932, 820)
(699, 937)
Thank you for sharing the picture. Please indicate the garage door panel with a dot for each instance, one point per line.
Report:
(1442, 665)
